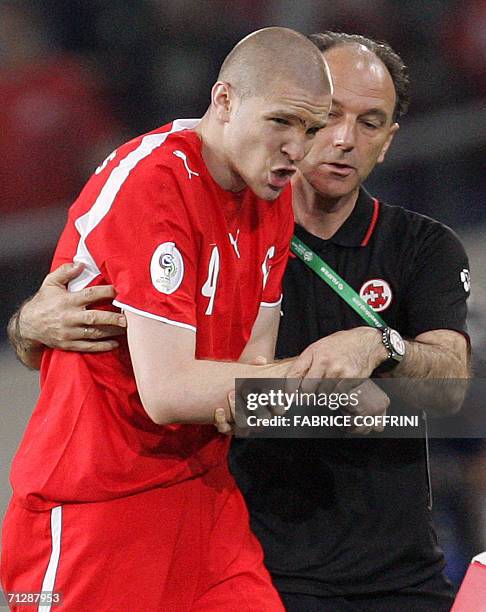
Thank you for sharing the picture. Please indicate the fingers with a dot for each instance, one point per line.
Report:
(90, 318)
(312, 379)
(300, 366)
(373, 401)
(260, 360)
(62, 275)
(232, 403)
(298, 369)
(221, 423)
(90, 295)
(96, 333)
(89, 346)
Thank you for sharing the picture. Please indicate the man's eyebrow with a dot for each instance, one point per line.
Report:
(377, 112)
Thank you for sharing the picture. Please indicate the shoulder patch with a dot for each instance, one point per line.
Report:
(167, 268)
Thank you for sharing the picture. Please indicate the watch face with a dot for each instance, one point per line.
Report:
(397, 343)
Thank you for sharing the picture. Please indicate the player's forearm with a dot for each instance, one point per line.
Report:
(28, 350)
(192, 393)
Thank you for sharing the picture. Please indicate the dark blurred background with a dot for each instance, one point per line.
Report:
(78, 78)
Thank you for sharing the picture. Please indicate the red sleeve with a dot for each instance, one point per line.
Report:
(276, 262)
(147, 248)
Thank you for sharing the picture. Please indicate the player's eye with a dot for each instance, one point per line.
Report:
(313, 131)
(279, 120)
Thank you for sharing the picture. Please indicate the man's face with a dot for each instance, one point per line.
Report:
(360, 127)
(267, 135)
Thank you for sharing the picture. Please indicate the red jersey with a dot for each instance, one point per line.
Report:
(177, 248)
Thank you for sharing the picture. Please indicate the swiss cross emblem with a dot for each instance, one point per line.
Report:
(376, 293)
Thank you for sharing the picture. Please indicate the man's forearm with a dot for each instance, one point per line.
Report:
(444, 360)
(29, 352)
(431, 361)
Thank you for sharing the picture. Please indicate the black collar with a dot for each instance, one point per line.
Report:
(355, 231)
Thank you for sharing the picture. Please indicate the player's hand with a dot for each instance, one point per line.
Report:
(373, 401)
(56, 318)
(353, 353)
(221, 422)
(221, 418)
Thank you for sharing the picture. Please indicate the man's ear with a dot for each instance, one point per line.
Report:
(386, 145)
(222, 98)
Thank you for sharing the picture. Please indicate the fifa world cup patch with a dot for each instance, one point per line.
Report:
(167, 268)
(376, 293)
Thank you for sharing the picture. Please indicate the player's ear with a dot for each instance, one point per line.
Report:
(386, 145)
(221, 100)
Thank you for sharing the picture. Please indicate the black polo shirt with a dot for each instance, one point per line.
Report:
(351, 516)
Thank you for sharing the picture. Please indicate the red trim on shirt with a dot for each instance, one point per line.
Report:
(374, 219)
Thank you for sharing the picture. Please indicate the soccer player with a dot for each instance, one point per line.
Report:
(122, 497)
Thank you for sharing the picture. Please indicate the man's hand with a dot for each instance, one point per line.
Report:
(373, 401)
(353, 353)
(56, 318)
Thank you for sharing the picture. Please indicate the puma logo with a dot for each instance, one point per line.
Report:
(183, 156)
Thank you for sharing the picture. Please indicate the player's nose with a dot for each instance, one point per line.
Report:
(295, 148)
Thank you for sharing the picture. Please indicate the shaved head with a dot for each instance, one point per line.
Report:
(272, 96)
(275, 55)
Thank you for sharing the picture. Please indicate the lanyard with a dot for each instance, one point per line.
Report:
(337, 284)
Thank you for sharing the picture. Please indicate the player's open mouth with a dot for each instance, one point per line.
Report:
(281, 177)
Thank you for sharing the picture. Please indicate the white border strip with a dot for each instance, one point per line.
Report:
(481, 558)
(50, 575)
(271, 304)
(86, 223)
(149, 315)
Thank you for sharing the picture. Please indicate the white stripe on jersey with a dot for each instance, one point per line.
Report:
(87, 222)
(272, 304)
(150, 315)
(50, 575)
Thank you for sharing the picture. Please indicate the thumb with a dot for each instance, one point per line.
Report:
(259, 360)
(62, 275)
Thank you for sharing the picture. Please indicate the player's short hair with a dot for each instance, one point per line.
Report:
(271, 54)
(393, 62)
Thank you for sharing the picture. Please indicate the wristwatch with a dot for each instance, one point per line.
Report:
(395, 347)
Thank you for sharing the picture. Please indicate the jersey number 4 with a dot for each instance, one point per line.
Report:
(209, 287)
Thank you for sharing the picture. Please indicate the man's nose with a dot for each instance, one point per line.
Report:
(344, 134)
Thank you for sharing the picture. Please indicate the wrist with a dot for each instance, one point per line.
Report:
(395, 347)
(23, 336)
(377, 351)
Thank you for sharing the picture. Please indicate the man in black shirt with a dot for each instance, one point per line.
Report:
(345, 524)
